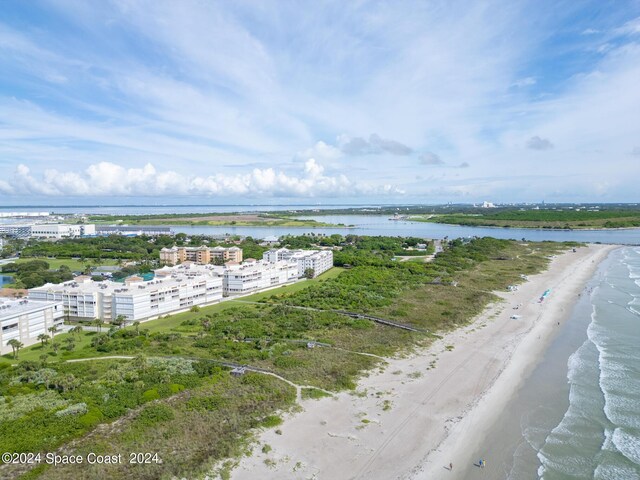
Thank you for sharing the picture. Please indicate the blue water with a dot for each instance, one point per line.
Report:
(381, 225)
(598, 436)
(5, 279)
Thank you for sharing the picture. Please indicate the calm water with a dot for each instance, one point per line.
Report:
(5, 279)
(381, 225)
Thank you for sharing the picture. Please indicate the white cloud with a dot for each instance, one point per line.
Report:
(110, 179)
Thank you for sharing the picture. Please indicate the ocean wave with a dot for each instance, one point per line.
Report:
(628, 444)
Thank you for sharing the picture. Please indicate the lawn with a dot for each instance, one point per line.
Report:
(73, 264)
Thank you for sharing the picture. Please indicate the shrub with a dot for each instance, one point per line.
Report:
(76, 409)
(153, 414)
(151, 394)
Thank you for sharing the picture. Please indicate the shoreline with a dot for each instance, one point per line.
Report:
(408, 419)
(544, 229)
(459, 444)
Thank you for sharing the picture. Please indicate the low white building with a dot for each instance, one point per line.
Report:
(47, 230)
(60, 230)
(318, 260)
(25, 319)
(135, 299)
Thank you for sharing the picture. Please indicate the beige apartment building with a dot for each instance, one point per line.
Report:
(202, 255)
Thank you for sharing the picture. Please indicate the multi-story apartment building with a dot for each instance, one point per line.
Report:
(231, 254)
(25, 319)
(257, 275)
(135, 299)
(318, 260)
(202, 255)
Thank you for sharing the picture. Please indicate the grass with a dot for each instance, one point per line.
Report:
(74, 265)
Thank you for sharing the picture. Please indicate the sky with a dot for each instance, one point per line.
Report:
(279, 101)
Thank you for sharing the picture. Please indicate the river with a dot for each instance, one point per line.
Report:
(381, 225)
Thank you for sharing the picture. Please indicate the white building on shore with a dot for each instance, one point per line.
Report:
(25, 319)
(318, 260)
(178, 288)
(135, 299)
(257, 275)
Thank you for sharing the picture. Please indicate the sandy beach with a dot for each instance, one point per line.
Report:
(414, 416)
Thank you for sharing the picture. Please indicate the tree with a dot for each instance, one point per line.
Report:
(136, 325)
(77, 330)
(71, 343)
(309, 273)
(53, 329)
(44, 338)
(120, 321)
(43, 358)
(55, 346)
(98, 322)
(15, 345)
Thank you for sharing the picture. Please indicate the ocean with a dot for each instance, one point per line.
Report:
(577, 414)
(599, 434)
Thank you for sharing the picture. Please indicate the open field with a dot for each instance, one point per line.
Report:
(240, 220)
(73, 264)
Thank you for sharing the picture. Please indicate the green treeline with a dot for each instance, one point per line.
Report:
(35, 273)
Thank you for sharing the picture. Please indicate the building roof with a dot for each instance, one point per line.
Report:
(11, 307)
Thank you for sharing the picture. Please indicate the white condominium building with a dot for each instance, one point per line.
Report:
(135, 299)
(257, 275)
(318, 260)
(25, 319)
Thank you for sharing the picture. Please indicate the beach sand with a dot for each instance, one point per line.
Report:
(410, 420)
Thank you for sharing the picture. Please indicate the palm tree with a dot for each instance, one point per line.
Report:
(15, 345)
(120, 321)
(136, 325)
(44, 338)
(98, 323)
(77, 330)
(43, 358)
(55, 346)
(53, 330)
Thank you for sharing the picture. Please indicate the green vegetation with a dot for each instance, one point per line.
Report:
(555, 218)
(212, 219)
(174, 398)
(73, 264)
(35, 273)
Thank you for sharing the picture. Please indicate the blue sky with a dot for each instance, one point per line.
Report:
(335, 102)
